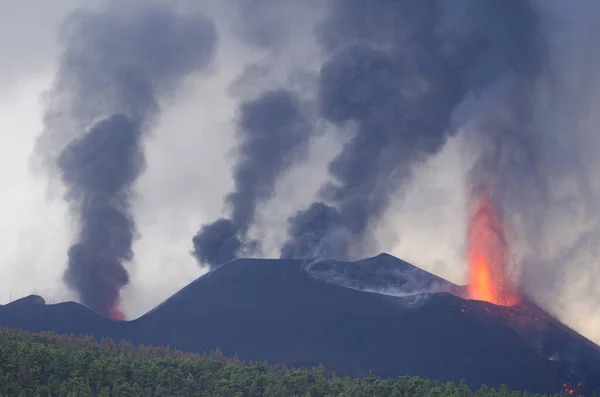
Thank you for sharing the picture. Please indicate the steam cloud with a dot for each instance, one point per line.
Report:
(274, 132)
(117, 65)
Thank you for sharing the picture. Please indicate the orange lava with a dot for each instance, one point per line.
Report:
(116, 314)
(573, 389)
(487, 255)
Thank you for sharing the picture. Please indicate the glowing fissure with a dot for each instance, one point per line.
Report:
(487, 255)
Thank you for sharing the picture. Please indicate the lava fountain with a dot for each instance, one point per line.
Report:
(488, 254)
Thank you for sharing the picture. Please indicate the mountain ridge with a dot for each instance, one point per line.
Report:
(306, 312)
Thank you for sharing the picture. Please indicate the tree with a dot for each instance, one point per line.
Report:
(85, 390)
(79, 367)
(116, 390)
(63, 389)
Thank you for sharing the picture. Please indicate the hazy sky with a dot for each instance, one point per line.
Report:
(176, 194)
(188, 174)
(190, 157)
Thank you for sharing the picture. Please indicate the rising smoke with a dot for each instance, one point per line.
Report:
(274, 123)
(516, 81)
(553, 206)
(118, 64)
(274, 132)
(398, 71)
(398, 83)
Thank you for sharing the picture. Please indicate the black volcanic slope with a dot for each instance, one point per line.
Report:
(380, 314)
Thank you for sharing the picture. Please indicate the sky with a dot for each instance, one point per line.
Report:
(190, 158)
(35, 222)
(189, 172)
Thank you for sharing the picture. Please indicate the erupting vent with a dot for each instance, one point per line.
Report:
(116, 313)
(488, 255)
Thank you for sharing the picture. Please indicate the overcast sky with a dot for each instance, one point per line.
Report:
(177, 193)
(189, 156)
(189, 165)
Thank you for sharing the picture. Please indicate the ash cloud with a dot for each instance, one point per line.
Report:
(530, 138)
(270, 25)
(261, 23)
(98, 170)
(551, 197)
(515, 80)
(274, 122)
(117, 65)
(217, 242)
(273, 132)
(397, 71)
(315, 232)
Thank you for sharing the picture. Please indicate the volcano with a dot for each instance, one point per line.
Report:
(380, 314)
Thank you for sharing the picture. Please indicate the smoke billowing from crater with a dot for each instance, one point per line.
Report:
(514, 81)
(117, 65)
(399, 81)
(273, 132)
(97, 170)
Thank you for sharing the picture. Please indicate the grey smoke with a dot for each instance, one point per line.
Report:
(97, 170)
(261, 23)
(268, 24)
(313, 233)
(116, 67)
(274, 122)
(518, 80)
(217, 242)
(546, 170)
(273, 132)
(398, 71)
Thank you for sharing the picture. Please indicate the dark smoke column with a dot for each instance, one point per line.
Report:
(98, 170)
(117, 65)
(398, 81)
(273, 132)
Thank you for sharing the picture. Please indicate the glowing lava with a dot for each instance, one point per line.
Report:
(116, 314)
(487, 255)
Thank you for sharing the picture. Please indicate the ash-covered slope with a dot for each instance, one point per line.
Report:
(354, 317)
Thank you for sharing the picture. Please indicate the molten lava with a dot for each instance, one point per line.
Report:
(487, 255)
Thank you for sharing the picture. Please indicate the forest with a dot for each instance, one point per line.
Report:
(48, 364)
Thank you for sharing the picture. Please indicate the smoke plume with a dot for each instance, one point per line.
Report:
(273, 132)
(116, 67)
(516, 82)
(397, 71)
(549, 193)
(530, 135)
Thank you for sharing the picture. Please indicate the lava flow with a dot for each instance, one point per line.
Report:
(487, 255)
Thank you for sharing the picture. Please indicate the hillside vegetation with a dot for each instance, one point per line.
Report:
(48, 364)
